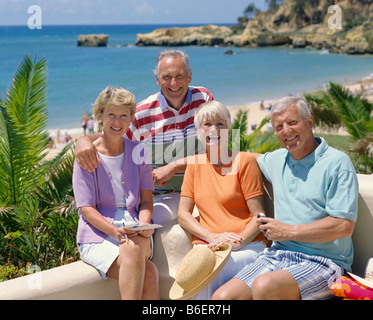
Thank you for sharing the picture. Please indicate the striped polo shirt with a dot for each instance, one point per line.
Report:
(169, 134)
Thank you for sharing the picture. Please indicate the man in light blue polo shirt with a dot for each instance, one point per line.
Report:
(315, 200)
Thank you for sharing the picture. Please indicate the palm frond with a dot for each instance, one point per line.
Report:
(353, 112)
(57, 193)
(254, 142)
(23, 127)
(6, 179)
(323, 112)
(240, 121)
(337, 106)
(239, 129)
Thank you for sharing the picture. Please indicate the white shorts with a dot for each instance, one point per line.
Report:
(102, 255)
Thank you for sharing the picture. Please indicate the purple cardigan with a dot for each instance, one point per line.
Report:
(96, 189)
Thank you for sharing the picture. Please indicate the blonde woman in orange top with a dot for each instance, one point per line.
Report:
(227, 188)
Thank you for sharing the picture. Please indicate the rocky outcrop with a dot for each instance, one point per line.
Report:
(307, 27)
(357, 41)
(93, 40)
(200, 36)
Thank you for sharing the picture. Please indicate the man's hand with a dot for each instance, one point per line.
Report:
(86, 154)
(323, 230)
(162, 174)
(274, 230)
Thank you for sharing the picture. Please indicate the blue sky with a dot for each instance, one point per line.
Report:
(60, 12)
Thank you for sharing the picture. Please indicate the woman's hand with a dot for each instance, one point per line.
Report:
(218, 239)
(123, 235)
(146, 233)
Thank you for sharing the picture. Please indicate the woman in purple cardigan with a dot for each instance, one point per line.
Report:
(117, 194)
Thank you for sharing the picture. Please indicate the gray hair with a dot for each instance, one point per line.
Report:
(175, 53)
(212, 109)
(285, 102)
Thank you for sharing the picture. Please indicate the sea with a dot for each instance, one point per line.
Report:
(76, 75)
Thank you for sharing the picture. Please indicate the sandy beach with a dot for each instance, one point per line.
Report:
(255, 115)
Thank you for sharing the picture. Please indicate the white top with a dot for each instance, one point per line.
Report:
(114, 165)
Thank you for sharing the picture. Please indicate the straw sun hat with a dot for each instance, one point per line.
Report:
(197, 269)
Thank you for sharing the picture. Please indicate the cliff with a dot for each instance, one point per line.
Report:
(92, 40)
(201, 36)
(296, 23)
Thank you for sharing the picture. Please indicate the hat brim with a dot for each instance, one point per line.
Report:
(221, 258)
(365, 282)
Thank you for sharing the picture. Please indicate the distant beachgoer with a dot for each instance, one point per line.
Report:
(58, 134)
(85, 119)
(117, 194)
(68, 138)
(90, 124)
(51, 144)
(316, 194)
(262, 105)
(227, 188)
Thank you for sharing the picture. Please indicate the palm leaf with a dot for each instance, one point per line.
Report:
(23, 131)
(240, 121)
(337, 106)
(239, 129)
(254, 142)
(6, 180)
(57, 193)
(323, 112)
(353, 112)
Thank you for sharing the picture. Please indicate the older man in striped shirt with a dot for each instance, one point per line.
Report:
(164, 122)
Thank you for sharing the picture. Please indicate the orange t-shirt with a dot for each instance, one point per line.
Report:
(220, 193)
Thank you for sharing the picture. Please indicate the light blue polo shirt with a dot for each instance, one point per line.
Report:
(322, 184)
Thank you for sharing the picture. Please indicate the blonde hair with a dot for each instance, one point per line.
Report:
(113, 95)
(212, 109)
